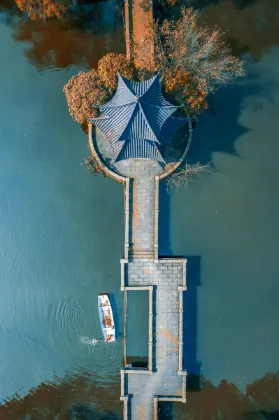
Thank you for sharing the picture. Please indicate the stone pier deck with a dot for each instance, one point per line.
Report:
(164, 379)
(165, 280)
(142, 218)
(141, 173)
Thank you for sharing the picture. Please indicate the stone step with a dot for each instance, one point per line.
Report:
(141, 254)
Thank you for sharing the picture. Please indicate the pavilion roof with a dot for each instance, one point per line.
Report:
(138, 121)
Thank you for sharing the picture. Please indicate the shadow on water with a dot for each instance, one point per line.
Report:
(164, 222)
(249, 26)
(113, 301)
(197, 4)
(165, 410)
(190, 304)
(10, 7)
(218, 127)
(212, 134)
(83, 412)
(215, 131)
(190, 311)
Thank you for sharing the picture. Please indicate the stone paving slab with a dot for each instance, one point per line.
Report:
(167, 275)
(142, 202)
(164, 381)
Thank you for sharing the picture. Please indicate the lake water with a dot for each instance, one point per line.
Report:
(62, 231)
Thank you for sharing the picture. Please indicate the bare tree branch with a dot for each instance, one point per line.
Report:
(187, 175)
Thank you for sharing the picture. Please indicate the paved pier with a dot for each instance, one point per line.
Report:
(142, 203)
(165, 379)
(165, 279)
(142, 269)
(142, 226)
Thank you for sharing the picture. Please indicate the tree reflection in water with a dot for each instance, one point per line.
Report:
(250, 26)
(78, 393)
(227, 402)
(81, 39)
(252, 29)
(58, 44)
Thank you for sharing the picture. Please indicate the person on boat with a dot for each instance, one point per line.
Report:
(129, 366)
(108, 321)
(109, 337)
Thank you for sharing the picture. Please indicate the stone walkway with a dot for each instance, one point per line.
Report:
(141, 389)
(142, 202)
(165, 380)
(142, 223)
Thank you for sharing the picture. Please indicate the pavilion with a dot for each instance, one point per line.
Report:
(138, 121)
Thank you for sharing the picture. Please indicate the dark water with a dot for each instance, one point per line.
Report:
(62, 230)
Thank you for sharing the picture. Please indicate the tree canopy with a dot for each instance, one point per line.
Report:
(43, 9)
(193, 61)
(88, 89)
(83, 92)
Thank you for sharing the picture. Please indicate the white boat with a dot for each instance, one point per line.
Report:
(106, 317)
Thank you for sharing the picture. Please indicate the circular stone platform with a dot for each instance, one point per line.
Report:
(131, 167)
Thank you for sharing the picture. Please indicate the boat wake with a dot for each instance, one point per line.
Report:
(89, 341)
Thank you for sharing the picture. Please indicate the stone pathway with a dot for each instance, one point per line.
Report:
(165, 278)
(142, 202)
(142, 220)
(165, 381)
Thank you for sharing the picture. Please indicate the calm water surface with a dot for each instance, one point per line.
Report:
(62, 230)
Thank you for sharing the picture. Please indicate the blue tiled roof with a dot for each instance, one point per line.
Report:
(138, 121)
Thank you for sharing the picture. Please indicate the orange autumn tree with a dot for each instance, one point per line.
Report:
(83, 92)
(193, 59)
(88, 89)
(43, 9)
(110, 64)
